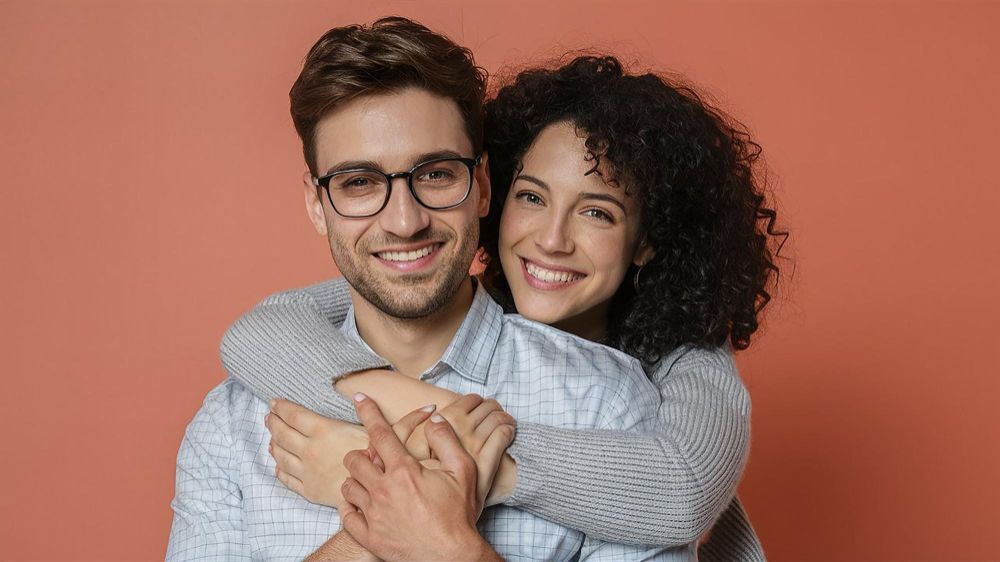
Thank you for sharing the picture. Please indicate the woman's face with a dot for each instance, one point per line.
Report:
(567, 238)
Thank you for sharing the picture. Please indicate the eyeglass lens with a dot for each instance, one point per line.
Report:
(437, 185)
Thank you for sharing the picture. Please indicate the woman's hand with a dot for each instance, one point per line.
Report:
(398, 508)
(475, 421)
(309, 448)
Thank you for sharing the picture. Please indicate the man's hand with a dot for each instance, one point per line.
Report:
(341, 548)
(399, 509)
(309, 448)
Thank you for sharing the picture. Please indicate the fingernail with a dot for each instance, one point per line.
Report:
(428, 408)
(437, 418)
(359, 397)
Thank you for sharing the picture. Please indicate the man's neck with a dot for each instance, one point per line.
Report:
(412, 345)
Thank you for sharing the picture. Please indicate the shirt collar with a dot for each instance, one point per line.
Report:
(471, 349)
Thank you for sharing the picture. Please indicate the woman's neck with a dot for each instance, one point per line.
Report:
(592, 324)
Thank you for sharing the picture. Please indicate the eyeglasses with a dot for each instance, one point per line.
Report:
(439, 184)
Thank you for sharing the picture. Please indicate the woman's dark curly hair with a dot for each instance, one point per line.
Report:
(694, 173)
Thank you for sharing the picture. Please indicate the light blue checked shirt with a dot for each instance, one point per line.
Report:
(229, 505)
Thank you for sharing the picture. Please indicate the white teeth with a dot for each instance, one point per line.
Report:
(407, 256)
(550, 276)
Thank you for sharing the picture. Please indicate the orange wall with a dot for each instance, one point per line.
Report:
(151, 192)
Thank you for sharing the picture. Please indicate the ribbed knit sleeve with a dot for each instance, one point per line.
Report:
(289, 346)
(663, 488)
(733, 538)
(666, 487)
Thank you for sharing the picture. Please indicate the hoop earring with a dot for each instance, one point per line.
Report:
(635, 281)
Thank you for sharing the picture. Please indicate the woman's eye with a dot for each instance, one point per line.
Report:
(599, 215)
(529, 197)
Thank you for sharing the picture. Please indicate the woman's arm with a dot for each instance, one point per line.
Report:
(290, 346)
(664, 488)
(732, 538)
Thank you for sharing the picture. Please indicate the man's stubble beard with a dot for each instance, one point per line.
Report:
(418, 300)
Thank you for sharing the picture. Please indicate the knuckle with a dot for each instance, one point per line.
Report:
(493, 404)
(506, 432)
(381, 494)
(352, 458)
(380, 434)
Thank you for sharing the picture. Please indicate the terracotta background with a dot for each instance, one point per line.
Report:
(150, 193)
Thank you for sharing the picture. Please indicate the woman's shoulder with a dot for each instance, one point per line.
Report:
(712, 365)
(694, 357)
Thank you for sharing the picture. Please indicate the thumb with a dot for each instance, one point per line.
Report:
(447, 448)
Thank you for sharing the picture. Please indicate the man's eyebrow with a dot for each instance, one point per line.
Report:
(436, 155)
(355, 164)
(351, 165)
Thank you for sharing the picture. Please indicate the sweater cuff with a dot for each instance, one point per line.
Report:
(530, 474)
(353, 359)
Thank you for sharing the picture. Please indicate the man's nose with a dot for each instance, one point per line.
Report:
(403, 215)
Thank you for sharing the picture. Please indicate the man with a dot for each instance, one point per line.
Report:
(390, 118)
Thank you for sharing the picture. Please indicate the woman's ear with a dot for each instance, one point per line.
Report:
(314, 204)
(643, 253)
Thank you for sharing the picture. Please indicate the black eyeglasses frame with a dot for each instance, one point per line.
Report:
(470, 163)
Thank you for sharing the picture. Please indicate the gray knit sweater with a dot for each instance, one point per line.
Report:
(665, 488)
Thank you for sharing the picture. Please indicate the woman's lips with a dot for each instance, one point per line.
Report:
(546, 278)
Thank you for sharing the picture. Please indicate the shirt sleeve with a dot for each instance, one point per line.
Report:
(289, 346)
(208, 504)
(666, 486)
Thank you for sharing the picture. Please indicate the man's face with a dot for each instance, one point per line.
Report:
(408, 261)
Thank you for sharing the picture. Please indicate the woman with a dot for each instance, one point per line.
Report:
(631, 216)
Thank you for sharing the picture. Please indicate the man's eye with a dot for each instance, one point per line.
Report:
(355, 183)
(437, 175)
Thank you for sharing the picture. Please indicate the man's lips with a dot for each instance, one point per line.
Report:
(411, 257)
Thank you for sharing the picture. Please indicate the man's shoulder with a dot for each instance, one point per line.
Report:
(555, 343)
(561, 354)
(227, 403)
(600, 385)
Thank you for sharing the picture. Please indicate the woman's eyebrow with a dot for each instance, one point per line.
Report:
(532, 179)
(603, 197)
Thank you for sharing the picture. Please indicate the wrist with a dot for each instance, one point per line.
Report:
(504, 482)
(471, 547)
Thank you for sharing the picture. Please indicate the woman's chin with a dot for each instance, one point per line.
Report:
(539, 310)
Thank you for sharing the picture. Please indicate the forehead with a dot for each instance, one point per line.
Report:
(558, 156)
(391, 130)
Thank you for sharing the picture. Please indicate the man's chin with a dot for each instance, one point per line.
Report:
(407, 297)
